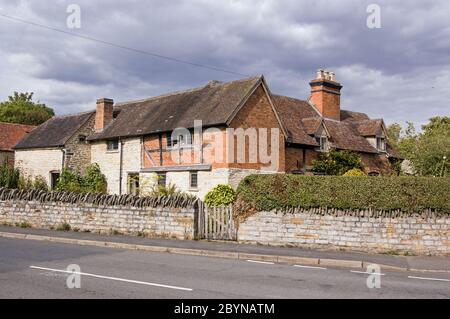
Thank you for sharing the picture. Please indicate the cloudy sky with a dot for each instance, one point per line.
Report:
(400, 72)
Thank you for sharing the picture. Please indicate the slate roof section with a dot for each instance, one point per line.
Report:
(11, 134)
(213, 103)
(55, 132)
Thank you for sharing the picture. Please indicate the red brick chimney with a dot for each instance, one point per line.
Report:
(104, 113)
(326, 94)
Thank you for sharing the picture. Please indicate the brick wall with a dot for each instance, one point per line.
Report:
(425, 234)
(154, 222)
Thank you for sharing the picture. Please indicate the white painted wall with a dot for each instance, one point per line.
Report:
(36, 162)
(109, 162)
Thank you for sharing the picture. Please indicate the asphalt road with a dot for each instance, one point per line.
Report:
(30, 269)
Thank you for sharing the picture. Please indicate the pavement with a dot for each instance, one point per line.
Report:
(233, 250)
(39, 269)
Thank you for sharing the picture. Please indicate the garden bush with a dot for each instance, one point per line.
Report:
(9, 176)
(221, 195)
(354, 172)
(336, 162)
(408, 194)
(91, 182)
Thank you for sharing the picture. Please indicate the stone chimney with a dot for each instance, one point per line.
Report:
(103, 114)
(326, 94)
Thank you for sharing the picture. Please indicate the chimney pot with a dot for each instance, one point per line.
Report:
(326, 95)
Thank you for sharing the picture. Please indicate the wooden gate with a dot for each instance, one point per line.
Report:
(216, 223)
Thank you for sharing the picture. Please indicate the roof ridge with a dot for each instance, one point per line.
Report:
(17, 124)
(210, 83)
(72, 114)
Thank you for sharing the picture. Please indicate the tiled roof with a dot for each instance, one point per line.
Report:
(213, 104)
(345, 136)
(11, 134)
(55, 132)
(291, 112)
(369, 127)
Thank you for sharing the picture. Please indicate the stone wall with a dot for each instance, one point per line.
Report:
(78, 152)
(109, 162)
(153, 222)
(34, 162)
(424, 234)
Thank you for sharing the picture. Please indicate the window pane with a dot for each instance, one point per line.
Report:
(162, 179)
(193, 179)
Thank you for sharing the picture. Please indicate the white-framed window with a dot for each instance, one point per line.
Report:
(180, 140)
(193, 180)
(322, 141)
(381, 144)
(112, 145)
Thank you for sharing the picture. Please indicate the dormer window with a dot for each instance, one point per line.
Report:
(381, 144)
(322, 141)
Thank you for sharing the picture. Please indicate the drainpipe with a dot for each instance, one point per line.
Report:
(120, 165)
(63, 150)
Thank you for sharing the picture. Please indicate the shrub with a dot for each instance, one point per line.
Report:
(336, 162)
(355, 172)
(25, 182)
(9, 176)
(221, 195)
(63, 227)
(40, 183)
(69, 182)
(92, 182)
(408, 194)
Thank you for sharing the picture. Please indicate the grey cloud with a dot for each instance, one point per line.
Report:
(395, 72)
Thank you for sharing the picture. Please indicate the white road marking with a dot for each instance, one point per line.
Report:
(367, 273)
(310, 267)
(260, 262)
(113, 278)
(427, 278)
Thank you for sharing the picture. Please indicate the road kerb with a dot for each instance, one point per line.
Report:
(213, 253)
(258, 257)
(184, 251)
(293, 260)
(341, 263)
(220, 254)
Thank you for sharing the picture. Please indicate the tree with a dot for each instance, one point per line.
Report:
(21, 109)
(429, 151)
(394, 131)
(336, 162)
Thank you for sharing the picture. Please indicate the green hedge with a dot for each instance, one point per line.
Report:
(408, 194)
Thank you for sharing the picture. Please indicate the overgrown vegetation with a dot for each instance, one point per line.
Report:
(9, 176)
(221, 195)
(93, 181)
(336, 162)
(355, 172)
(63, 227)
(408, 194)
(429, 150)
(38, 183)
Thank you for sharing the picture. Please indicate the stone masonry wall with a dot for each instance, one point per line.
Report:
(423, 235)
(153, 222)
(78, 153)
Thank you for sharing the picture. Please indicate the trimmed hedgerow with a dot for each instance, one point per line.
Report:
(407, 194)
